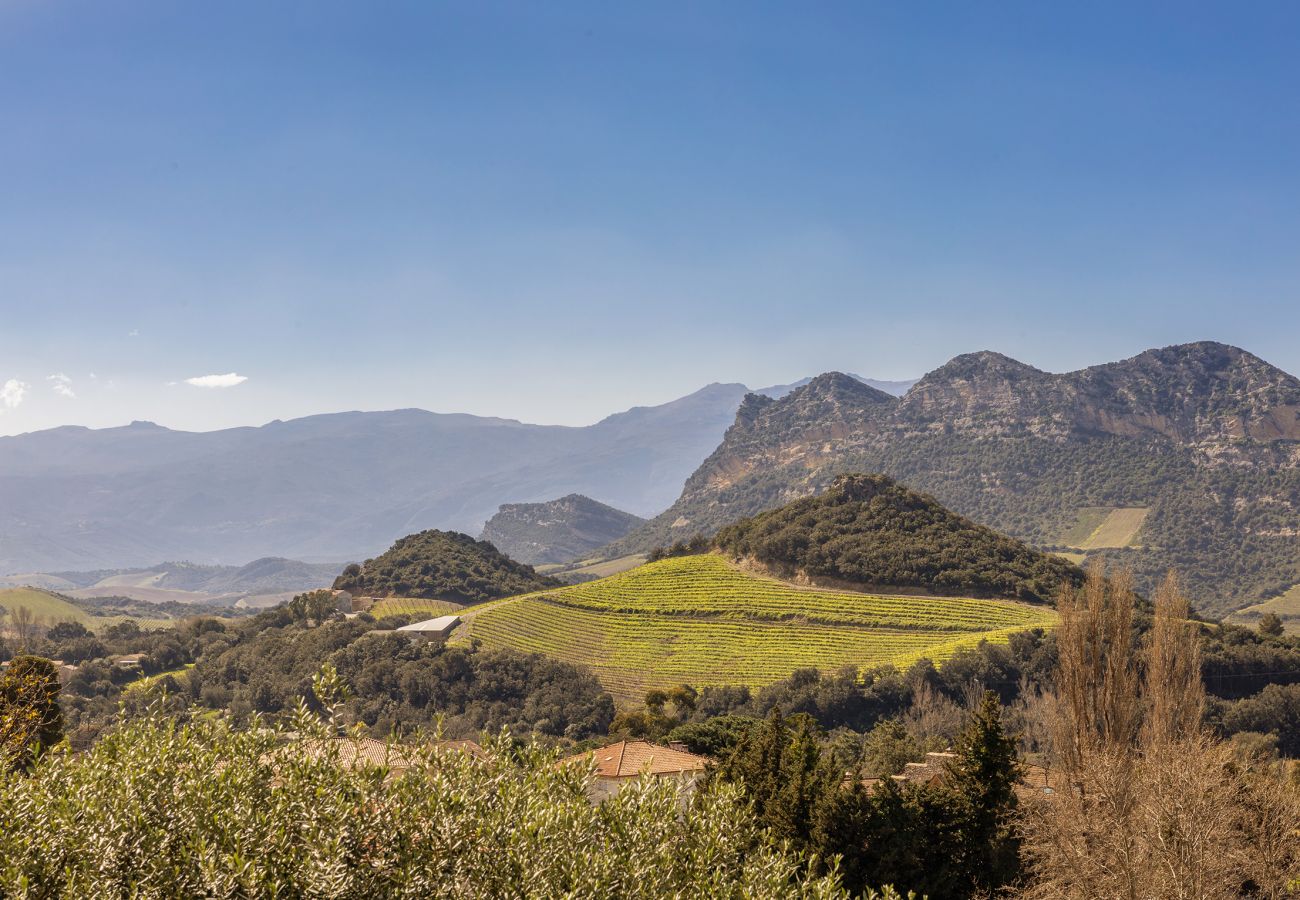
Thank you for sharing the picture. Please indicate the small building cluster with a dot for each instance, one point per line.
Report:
(64, 670)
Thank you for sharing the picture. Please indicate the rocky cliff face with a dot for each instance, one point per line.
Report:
(558, 531)
(1205, 434)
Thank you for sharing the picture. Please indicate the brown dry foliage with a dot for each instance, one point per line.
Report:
(1151, 805)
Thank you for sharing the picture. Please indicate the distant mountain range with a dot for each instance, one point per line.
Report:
(1186, 457)
(258, 583)
(328, 487)
(558, 531)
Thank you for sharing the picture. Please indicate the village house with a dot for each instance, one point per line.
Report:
(617, 765)
(65, 670)
(344, 602)
(931, 772)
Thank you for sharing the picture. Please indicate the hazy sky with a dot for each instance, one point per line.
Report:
(553, 211)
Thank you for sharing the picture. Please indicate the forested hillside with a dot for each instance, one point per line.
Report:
(872, 531)
(1204, 437)
(441, 565)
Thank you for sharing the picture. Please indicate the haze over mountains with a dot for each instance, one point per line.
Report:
(328, 487)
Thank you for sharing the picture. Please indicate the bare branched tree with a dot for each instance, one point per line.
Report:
(23, 623)
(1174, 692)
(1151, 806)
(1096, 680)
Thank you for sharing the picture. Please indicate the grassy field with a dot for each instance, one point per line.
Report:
(1119, 529)
(50, 609)
(699, 620)
(599, 568)
(1286, 606)
(148, 681)
(1090, 517)
(1101, 527)
(413, 606)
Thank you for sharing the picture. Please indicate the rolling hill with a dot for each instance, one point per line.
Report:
(50, 608)
(441, 565)
(704, 621)
(1204, 438)
(558, 531)
(870, 532)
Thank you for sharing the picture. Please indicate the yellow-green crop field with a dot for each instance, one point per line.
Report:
(179, 674)
(1286, 606)
(699, 620)
(1102, 527)
(413, 606)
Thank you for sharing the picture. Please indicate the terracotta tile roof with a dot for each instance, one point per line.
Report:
(935, 768)
(628, 759)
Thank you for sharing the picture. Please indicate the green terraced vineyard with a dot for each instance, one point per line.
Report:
(413, 606)
(699, 620)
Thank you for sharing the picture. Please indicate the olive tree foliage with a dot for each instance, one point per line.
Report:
(30, 718)
(160, 808)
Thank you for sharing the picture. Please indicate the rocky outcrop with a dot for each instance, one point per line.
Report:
(558, 531)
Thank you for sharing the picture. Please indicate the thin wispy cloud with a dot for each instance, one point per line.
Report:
(12, 393)
(61, 384)
(230, 379)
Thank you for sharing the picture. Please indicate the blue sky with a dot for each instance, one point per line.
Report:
(555, 211)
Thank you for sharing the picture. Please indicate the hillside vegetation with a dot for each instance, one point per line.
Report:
(870, 530)
(441, 565)
(701, 620)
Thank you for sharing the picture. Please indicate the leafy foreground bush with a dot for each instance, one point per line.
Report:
(159, 809)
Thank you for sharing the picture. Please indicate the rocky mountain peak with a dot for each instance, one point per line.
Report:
(832, 385)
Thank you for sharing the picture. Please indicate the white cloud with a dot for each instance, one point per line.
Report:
(62, 384)
(12, 393)
(230, 379)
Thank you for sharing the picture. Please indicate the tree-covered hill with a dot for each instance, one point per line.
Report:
(441, 565)
(872, 531)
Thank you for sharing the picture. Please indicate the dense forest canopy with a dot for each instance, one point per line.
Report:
(870, 530)
(441, 565)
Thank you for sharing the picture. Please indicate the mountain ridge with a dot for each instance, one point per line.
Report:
(557, 531)
(1205, 435)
